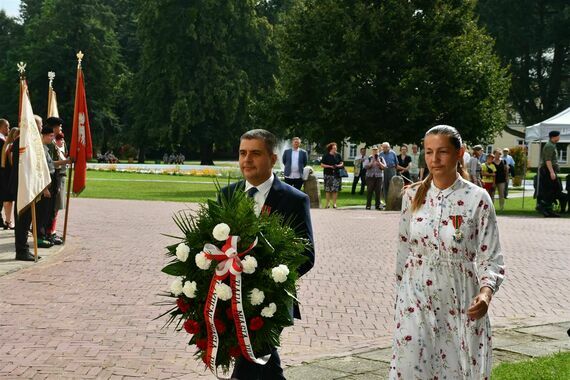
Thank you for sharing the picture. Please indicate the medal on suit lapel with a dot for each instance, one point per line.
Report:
(266, 210)
(457, 220)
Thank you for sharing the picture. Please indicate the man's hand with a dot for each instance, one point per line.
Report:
(46, 193)
(480, 304)
(553, 176)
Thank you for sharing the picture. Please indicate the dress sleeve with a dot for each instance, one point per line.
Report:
(490, 265)
(404, 235)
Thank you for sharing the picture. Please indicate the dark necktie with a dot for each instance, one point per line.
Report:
(251, 192)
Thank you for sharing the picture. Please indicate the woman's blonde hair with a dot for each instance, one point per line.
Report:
(12, 136)
(423, 186)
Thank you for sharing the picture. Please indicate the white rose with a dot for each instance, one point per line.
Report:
(202, 262)
(221, 232)
(189, 289)
(182, 252)
(268, 311)
(249, 264)
(176, 286)
(280, 273)
(223, 291)
(256, 297)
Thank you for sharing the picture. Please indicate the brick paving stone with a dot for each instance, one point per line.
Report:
(93, 304)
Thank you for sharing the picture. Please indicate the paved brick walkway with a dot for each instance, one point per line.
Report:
(88, 311)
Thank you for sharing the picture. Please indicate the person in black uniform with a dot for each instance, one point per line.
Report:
(549, 186)
(24, 218)
(256, 159)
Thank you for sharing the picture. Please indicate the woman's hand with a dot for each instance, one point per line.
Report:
(480, 304)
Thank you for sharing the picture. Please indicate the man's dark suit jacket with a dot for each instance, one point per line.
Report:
(293, 205)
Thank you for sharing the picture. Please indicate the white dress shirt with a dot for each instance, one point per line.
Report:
(295, 172)
(261, 195)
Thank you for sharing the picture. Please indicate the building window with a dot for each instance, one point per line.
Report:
(489, 149)
(521, 143)
(352, 152)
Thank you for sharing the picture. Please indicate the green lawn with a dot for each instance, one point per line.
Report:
(160, 187)
(554, 367)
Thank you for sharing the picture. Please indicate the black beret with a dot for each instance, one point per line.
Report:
(54, 121)
(46, 130)
(553, 133)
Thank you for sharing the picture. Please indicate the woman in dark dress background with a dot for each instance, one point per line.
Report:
(404, 164)
(6, 194)
(331, 163)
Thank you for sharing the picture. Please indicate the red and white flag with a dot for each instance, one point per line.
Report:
(33, 171)
(81, 149)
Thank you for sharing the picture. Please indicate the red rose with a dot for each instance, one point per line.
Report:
(229, 314)
(452, 312)
(235, 352)
(483, 248)
(202, 344)
(501, 271)
(398, 325)
(183, 305)
(429, 282)
(205, 359)
(220, 326)
(255, 323)
(403, 238)
(408, 337)
(191, 326)
(411, 309)
(460, 203)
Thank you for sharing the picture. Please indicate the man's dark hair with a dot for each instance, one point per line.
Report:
(4, 122)
(53, 121)
(46, 130)
(261, 134)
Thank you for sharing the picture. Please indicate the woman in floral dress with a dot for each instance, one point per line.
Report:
(449, 265)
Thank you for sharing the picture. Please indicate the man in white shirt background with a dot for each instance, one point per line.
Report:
(294, 161)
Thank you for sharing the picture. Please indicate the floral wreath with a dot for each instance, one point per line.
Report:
(235, 282)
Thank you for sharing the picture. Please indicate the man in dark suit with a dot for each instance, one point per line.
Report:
(256, 160)
(294, 159)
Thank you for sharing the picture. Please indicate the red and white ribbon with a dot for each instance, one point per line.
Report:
(229, 264)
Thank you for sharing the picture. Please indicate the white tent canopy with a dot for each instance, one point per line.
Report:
(560, 122)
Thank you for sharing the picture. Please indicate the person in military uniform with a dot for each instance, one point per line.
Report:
(548, 183)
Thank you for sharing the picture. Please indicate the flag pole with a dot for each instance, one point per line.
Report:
(72, 167)
(34, 229)
(69, 178)
(51, 77)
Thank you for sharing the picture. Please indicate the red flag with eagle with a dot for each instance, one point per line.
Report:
(81, 149)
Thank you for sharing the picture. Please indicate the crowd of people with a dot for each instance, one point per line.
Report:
(52, 199)
(107, 158)
(177, 159)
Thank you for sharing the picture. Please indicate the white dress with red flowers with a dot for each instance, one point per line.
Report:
(438, 275)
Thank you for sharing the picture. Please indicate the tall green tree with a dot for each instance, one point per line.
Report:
(10, 41)
(52, 39)
(387, 70)
(202, 63)
(533, 38)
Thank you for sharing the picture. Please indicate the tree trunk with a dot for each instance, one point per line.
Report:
(141, 156)
(206, 153)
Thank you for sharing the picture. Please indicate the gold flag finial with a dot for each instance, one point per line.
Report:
(79, 58)
(51, 77)
(21, 67)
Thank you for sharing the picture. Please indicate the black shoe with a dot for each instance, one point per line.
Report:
(56, 240)
(44, 243)
(26, 256)
(368, 207)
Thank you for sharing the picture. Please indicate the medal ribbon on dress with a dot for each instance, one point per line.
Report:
(457, 220)
(229, 264)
